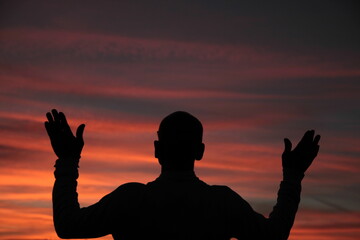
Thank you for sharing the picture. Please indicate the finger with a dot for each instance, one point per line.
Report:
(56, 116)
(308, 137)
(48, 129)
(49, 117)
(288, 145)
(314, 151)
(62, 117)
(80, 132)
(64, 124)
(317, 149)
(317, 139)
(310, 134)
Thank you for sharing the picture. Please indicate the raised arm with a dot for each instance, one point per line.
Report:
(294, 162)
(248, 224)
(70, 220)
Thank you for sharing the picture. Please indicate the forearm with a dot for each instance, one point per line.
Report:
(65, 198)
(70, 220)
(282, 217)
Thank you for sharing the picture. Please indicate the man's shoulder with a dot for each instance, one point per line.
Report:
(131, 186)
(222, 189)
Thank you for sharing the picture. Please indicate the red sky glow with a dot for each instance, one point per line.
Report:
(253, 74)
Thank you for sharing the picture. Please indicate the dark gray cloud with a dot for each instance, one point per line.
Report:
(280, 24)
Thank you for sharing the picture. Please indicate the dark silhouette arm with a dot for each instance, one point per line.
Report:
(245, 223)
(70, 220)
(108, 216)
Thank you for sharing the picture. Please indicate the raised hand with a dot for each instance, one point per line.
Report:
(301, 157)
(63, 141)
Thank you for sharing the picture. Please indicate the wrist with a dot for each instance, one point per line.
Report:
(69, 161)
(67, 167)
(292, 175)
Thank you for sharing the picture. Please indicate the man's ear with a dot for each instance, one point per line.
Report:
(200, 152)
(157, 149)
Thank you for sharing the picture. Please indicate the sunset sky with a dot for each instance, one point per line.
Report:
(253, 73)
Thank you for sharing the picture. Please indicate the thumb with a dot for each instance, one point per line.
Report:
(288, 145)
(79, 132)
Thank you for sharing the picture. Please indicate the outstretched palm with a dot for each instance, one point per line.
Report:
(63, 141)
(301, 157)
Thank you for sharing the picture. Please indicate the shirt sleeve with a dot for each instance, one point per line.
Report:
(245, 223)
(97, 220)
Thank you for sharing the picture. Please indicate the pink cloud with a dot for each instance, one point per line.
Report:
(246, 60)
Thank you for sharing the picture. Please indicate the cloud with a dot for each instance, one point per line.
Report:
(21, 223)
(80, 48)
(294, 26)
(252, 74)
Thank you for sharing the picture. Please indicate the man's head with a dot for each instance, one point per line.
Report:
(180, 141)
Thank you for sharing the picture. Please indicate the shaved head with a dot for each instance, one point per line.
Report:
(180, 126)
(180, 141)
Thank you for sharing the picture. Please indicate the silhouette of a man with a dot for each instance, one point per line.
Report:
(177, 205)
